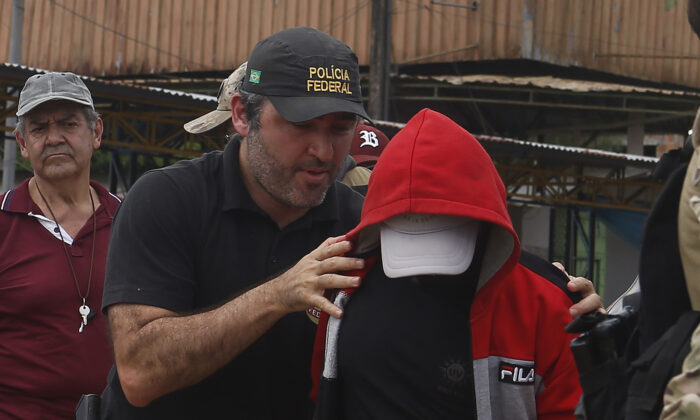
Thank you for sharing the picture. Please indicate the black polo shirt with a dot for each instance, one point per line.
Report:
(188, 238)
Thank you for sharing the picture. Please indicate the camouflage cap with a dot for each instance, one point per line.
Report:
(222, 113)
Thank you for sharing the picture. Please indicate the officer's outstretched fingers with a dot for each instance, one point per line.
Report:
(303, 285)
(327, 306)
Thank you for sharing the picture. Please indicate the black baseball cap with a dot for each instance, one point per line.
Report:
(305, 73)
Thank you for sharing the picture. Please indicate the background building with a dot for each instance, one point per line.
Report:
(574, 99)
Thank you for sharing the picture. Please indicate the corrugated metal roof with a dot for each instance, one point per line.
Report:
(195, 96)
(646, 39)
(398, 126)
(547, 146)
(570, 149)
(550, 82)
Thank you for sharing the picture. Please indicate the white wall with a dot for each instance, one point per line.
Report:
(621, 268)
(621, 259)
(534, 234)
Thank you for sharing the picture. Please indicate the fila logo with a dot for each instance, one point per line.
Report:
(369, 137)
(516, 374)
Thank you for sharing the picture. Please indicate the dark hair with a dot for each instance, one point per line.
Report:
(694, 15)
(253, 107)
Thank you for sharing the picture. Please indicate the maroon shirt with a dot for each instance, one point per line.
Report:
(45, 364)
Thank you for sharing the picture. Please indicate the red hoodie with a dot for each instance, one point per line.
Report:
(523, 366)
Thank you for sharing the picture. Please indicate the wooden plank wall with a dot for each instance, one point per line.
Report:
(5, 29)
(648, 39)
(113, 37)
(645, 39)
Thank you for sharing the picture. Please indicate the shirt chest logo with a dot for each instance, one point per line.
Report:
(314, 314)
(517, 374)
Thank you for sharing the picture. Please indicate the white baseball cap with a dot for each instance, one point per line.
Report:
(417, 244)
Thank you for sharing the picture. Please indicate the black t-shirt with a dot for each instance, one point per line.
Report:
(404, 349)
(188, 238)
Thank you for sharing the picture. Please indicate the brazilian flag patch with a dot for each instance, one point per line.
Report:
(255, 76)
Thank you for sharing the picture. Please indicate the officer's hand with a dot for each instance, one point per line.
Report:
(591, 300)
(302, 286)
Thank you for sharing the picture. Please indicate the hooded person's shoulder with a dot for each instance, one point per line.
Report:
(548, 273)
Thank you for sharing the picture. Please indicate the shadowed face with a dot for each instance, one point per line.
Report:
(295, 163)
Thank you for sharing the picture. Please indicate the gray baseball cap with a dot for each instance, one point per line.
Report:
(53, 86)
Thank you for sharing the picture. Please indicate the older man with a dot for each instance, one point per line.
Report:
(54, 230)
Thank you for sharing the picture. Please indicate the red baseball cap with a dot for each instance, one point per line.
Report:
(367, 145)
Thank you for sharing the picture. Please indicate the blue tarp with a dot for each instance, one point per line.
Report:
(628, 225)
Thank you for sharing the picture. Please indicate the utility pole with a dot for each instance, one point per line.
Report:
(10, 146)
(379, 61)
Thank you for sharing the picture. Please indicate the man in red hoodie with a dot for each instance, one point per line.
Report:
(452, 320)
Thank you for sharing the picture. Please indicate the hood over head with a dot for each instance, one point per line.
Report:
(434, 166)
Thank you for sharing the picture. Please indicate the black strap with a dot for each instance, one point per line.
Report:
(88, 407)
(661, 370)
(664, 295)
(647, 386)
